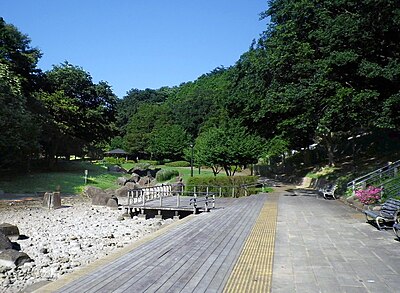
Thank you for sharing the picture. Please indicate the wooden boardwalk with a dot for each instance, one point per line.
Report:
(198, 255)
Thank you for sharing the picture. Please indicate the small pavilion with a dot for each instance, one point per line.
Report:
(118, 153)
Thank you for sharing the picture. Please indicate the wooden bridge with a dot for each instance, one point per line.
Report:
(167, 201)
(228, 249)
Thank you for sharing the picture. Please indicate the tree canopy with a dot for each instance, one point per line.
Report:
(320, 73)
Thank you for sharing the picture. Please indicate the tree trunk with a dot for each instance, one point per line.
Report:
(328, 142)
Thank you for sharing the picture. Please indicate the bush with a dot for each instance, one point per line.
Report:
(113, 161)
(164, 175)
(222, 184)
(142, 166)
(371, 195)
(178, 164)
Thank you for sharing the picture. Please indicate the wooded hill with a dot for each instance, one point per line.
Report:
(323, 73)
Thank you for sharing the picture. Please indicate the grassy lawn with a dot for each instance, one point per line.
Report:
(184, 172)
(69, 177)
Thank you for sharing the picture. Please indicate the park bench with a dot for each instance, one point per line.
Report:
(328, 191)
(396, 228)
(388, 213)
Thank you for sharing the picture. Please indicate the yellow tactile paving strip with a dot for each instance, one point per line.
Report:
(253, 269)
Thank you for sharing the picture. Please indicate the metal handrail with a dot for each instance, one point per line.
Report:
(374, 174)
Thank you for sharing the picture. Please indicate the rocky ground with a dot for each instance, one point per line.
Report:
(62, 240)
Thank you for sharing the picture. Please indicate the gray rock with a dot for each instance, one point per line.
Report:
(91, 191)
(134, 178)
(52, 200)
(177, 188)
(116, 168)
(11, 231)
(132, 185)
(110, 191)
(100, 199)
(13, 258)
(121, 180)
(122, 191)
(113, 203)
(5, 243)
(145, 181)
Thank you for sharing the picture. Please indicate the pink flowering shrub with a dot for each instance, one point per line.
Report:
(370, 195)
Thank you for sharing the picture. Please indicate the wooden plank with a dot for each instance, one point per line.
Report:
(182, 257)
(132, 259)
(161, 264)
(207, 260)
(135, 257)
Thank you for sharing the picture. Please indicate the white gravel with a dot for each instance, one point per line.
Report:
(62, 240)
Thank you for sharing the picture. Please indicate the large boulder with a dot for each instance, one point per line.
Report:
(132, 185)
(91, 191)
(144, 172)
(123, 191)
(11, 258)
(113, 203)
(138, 171)
(11, 231)
(134, 178)
(177, 188)
(100, 199)
(121, 180)
(117, 169)
(110, 192)
(145, 181)
(5, 243)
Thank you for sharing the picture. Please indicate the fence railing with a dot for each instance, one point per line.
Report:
(199, 193)
(376, 177)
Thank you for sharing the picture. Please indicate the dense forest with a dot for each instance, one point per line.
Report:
(322, 73)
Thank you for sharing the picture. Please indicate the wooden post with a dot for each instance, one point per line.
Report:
(161, 196)
(213, 205)
(52, 200)
(86, 176)
(233, 191)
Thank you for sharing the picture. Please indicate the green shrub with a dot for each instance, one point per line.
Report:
(222, 185)
(164, 175)
(114, 161)
(178, 164)
(142, 166)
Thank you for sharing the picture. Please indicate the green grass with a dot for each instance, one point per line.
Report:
(69, 176)
(184, 172)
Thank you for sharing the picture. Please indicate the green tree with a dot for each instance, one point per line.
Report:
(77, 112)
(18, 75)
(194, 103)
(129, 104)
(19, 56)
(333, 65)
(147, 118)
(227, 146)
(18, 135)
(168, 142)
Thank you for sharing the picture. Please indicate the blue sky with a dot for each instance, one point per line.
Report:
(138, 43)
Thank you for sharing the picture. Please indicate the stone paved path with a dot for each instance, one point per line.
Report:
(326, 246)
